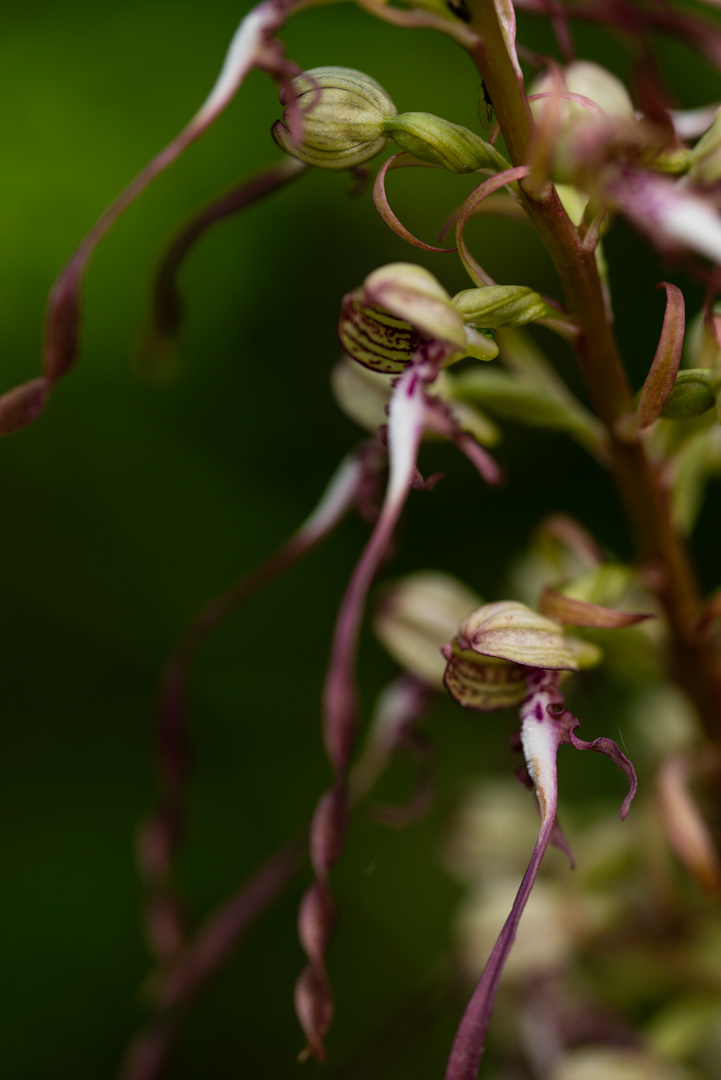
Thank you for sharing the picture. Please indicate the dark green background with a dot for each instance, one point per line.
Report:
(135, 498)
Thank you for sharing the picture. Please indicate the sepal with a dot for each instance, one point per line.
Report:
(439, 142)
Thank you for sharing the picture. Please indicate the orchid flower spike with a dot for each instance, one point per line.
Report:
(506, 654)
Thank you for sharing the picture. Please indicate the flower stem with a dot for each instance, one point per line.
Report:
(694, 660)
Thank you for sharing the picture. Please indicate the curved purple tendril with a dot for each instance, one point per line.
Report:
(383, 206)
(167, 305)
(488, 187)
(161, 835)
(212, 946)
(568, 95)
(499, 206)
(420, 19)
(251, 46)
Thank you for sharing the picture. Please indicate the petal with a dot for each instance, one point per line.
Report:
(568, 723)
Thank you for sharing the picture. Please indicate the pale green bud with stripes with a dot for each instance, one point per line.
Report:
(343, 115)
(401, 313)
(435, 140)
(493, 306)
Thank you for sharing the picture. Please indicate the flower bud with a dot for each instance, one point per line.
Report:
(692, 395)
(343, 113)
(705, 157)
(588, 80)
(438, 141)
(577, 131)
(500, 305)
(401, 312)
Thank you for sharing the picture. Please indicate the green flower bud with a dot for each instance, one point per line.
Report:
(692, 395)
(500, 305)
(343, 112)
(438, 141)
(706, 156)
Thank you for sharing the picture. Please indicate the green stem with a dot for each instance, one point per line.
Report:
(695, 661)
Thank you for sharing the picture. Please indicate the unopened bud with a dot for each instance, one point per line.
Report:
(494, 306)
(706, 156)
(343, 113)
(580, 111)
(691, 395)
(431, 138)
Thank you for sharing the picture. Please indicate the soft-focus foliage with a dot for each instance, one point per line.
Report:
(158, 474)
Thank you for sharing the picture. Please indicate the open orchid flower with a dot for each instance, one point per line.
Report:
(506, 654)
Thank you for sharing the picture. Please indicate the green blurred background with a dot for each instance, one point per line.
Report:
(137, 497)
